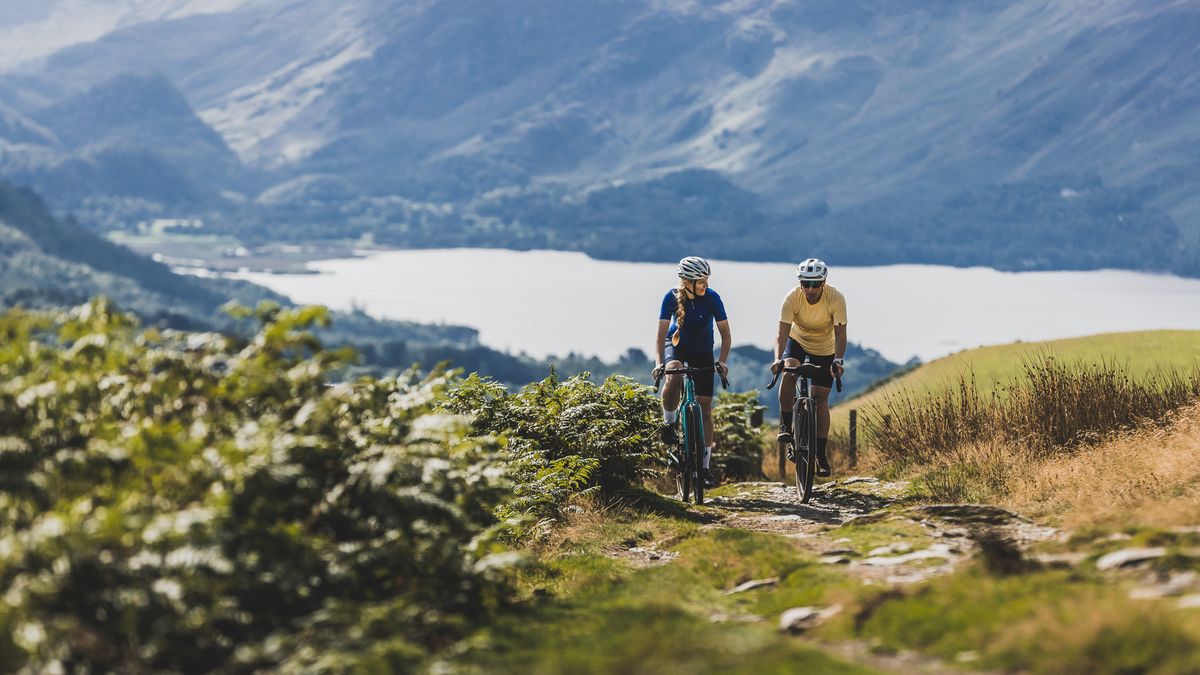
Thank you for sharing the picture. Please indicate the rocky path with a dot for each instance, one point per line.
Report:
(874, 531)
(941, 535)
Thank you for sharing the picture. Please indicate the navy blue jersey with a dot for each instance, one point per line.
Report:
(702, 312)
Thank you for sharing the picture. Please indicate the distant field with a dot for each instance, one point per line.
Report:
(221, 253)
(1141, 351)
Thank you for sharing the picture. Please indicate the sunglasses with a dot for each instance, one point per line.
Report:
(812, 284)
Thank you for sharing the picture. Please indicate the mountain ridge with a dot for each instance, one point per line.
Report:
(815, 106)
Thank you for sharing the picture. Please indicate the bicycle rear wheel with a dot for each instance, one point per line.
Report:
(804, 429)
(695, 450)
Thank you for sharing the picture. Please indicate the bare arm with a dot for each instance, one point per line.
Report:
(726, 343)
(785, 330)
(660, 341)
(839, 339)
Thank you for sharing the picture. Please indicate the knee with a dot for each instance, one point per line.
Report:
(791, 363)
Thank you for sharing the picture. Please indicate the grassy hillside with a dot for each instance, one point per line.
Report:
(180, 502)
(994, 367)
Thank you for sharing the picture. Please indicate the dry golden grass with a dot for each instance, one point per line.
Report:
(838, 451)
(1150, 476)
(1054, 408)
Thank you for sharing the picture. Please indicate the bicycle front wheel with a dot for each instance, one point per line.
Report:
(804, 428)
(695, 450)
(683, 480)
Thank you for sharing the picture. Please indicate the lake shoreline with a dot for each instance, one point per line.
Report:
(554, 302)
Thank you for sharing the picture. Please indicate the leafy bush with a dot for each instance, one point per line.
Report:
(189, 502)
(565, 438)
(739, 443)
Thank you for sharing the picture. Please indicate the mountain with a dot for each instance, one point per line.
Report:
(815, 107)
(50, 262)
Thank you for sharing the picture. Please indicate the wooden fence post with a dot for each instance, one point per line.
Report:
(853, 438)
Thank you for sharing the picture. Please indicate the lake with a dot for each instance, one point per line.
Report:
(552, 302)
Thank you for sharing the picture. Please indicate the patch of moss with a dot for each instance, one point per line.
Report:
(864, 535)
(1041, 622)
(653, 637)
(603, 615)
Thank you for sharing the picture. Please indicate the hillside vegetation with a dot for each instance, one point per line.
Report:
(189, 502)
(1140, 353)
(195, 501)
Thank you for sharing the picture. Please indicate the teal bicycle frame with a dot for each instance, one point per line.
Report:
(688, 480)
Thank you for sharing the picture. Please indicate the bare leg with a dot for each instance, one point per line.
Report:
(787, 391)
(673, 387)
(821, 395)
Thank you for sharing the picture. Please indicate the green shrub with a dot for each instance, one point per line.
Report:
(565, 438)
(739, 444)
(191, 502)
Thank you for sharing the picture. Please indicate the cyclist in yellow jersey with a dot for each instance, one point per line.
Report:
(812, 325)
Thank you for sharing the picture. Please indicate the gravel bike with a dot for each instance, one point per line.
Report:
(688, 455)
(802, 450)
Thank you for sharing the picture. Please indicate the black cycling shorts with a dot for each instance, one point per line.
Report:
(705, 383)
(795, 351)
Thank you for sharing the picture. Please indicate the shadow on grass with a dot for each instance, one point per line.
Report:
(645, 501)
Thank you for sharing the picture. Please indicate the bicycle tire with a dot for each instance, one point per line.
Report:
(683, 477)
(804, 441)
(683, 472)
(696, 451)
(683, 484)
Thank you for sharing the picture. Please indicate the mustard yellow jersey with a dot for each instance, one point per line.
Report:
(812, 325)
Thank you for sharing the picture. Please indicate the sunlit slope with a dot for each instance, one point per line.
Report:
(992, 367)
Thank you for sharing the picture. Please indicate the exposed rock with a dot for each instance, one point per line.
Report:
(891, 549)
(752, 584)
(800, 619)
(834, 560)
(935, 551)
(1190, 601)
(1175, 584)
(840, 551)
(1128, 557)
(645, 556)
(967, 656)
(1059, 559)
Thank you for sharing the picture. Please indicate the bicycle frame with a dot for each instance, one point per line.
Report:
(803, 448)
(690, 414)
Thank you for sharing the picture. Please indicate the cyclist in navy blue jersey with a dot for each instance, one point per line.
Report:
(685, 334)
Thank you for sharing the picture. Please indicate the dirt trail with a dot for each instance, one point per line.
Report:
(904, 541)
(774, 507)
(951, 533)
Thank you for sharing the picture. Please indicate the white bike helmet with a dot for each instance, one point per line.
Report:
(812, 270)
(693, 268)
